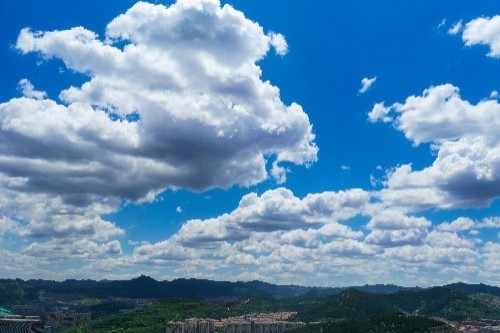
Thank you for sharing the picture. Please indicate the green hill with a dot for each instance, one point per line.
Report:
(403, 311)
(469, 289)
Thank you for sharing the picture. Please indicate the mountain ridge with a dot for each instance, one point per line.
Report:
(147, 287)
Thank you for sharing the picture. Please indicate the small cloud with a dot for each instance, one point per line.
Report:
(494, 94)
(29, 91)
(441, 24)
(380, 112)
(460, 224)
(137, 243)
(132, 243)
(456, 28)
(178, 209)
(279, 43)
(366, 83)
(378, 167)
(474, 232)
(279, 173)
(345, 167)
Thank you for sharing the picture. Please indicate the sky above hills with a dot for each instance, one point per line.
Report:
(329, 143)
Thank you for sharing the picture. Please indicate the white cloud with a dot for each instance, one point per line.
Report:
(41, 215)
(184, 102)
(460, 224)
(492, 259)
(379, 113)
(397, 238)
(441, 24)
(393, 228)
(178, 209)
(275, 228)
(441, 114)
(433, 257)
(466, 171)
(366, 84)
(448, 240)
(276, 210)
(279, 173)
(56, 250)
(395, 220)
(473, 232)
(284, 238)
(7, 225)
(279, 43)
(29, 91)
(174, 100)
(484, 31)
(489, 222)
(456, 28)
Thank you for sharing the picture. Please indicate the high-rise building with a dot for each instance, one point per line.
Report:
(17, 324)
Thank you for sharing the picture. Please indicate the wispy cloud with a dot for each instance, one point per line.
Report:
(366, 84)
(456, 28)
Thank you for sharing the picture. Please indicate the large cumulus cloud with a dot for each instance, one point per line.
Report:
(174, 100)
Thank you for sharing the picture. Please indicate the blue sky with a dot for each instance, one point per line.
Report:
(339, 143)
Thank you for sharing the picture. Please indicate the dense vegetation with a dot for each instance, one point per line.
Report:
(17, 291)
(392, 323)
(349, 311)
(153, 318)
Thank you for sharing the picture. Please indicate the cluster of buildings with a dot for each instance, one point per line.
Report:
(66, 319)
(251, 323)
(135, 302)
(10, 323)
(19, 324)
(483, 325)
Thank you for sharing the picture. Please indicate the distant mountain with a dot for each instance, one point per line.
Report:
(19, 291)
(15, 291)
(385, 288)
(469, 289)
